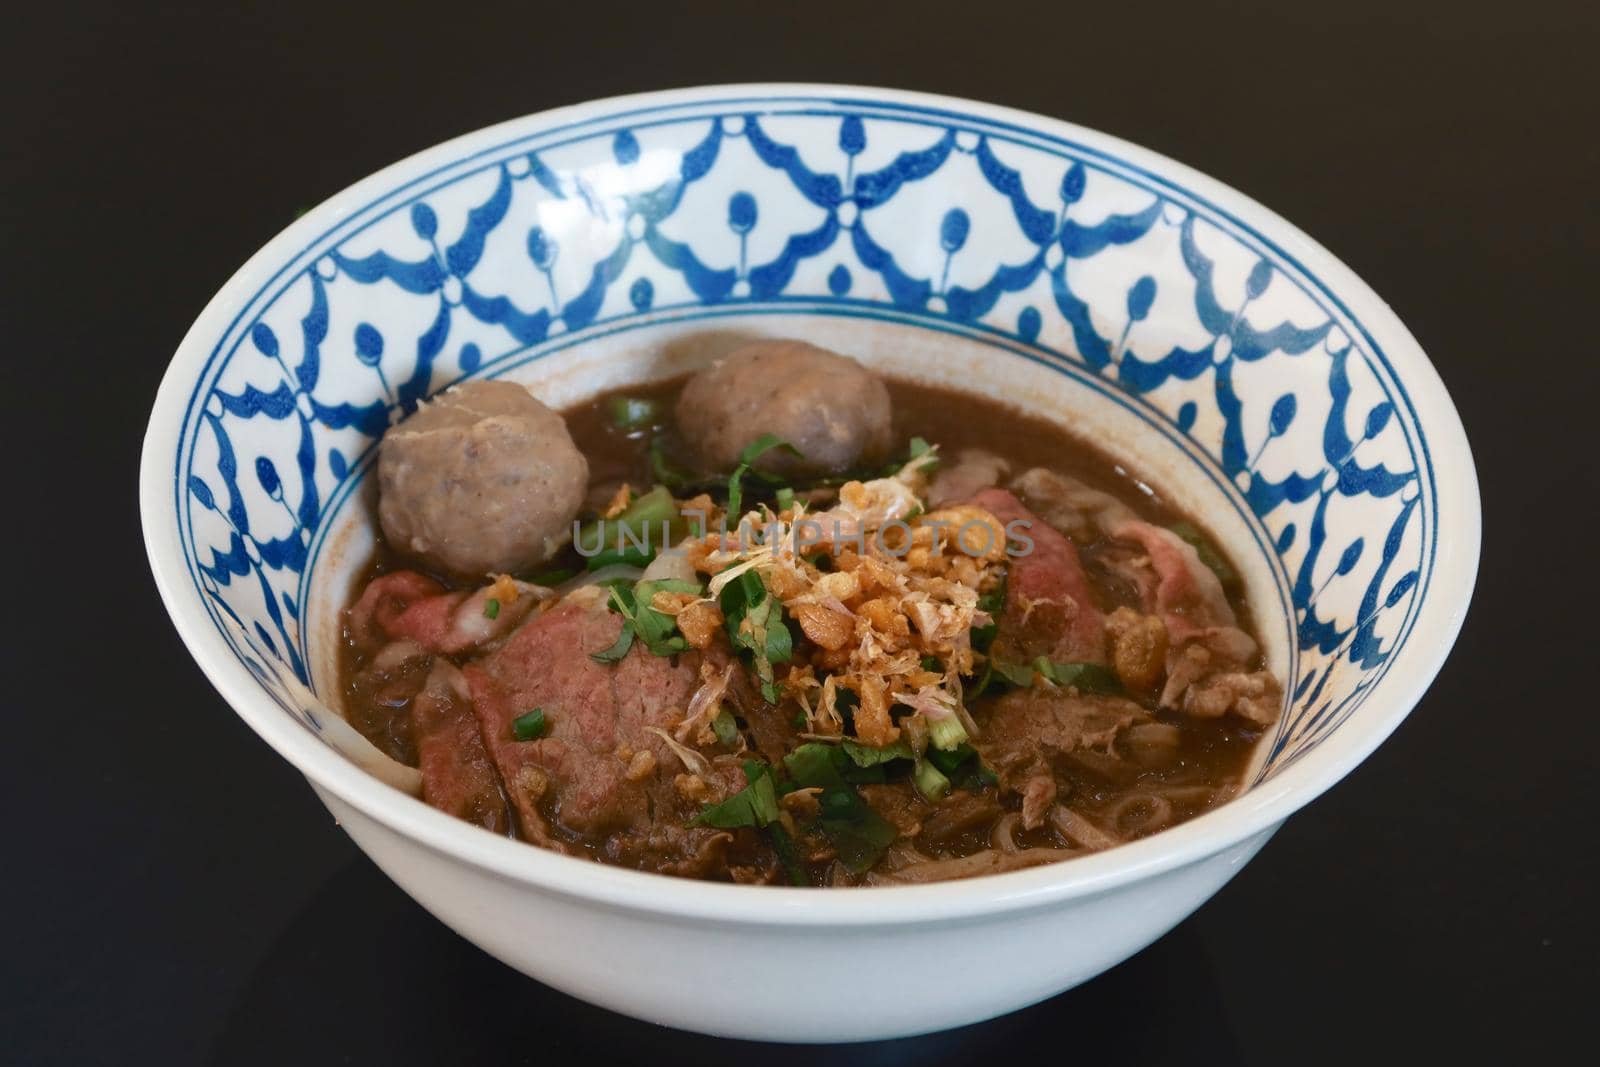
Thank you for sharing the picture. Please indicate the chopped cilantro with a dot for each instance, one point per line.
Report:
(755, 805)
(752, 452)
(757, 628)
(867, 756)
(656, 629)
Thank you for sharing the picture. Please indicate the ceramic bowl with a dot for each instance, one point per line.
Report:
(1199, 338)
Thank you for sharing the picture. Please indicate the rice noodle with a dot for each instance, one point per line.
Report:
(1157, 813)
(989, 861)
(1079, 830)
(1001, 837)
(396, 654)
(1201, 795)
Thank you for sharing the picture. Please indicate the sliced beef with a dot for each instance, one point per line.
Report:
(1183, 617)
(1182, 589)
(600, 774)
(1075, 509)
(372, 618)
(1030, 732)
(1049, 609)
(974, 470)
(457, 774)
(407, 605)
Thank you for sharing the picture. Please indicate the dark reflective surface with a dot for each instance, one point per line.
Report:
(175, 894)
(429, 996)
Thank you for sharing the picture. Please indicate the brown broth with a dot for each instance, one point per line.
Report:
(1212, 755)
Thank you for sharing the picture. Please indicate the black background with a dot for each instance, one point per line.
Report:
(176, 894)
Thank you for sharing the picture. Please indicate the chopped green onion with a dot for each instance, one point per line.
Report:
(530, 726)
(991, 603)
(932, 663)
(665, 471)
(948, 761)
(946, 733)
(630, 536)
(973, 692)
(931, 782)
(963, 767)
(633, 412)
(724, 727)
(491, 608)
(785, 498)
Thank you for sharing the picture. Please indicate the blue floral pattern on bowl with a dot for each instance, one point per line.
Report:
(957, 222)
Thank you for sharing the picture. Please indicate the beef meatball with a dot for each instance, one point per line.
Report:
(827, 405)
(482, 480)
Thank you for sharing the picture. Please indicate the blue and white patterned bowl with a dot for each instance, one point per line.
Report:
(1191, 332)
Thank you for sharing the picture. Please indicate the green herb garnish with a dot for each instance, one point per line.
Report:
(857, 832)
(667, 472)
(724, 726)
(633, 412)
(491, 608)
(788, 854)
(867, 756)
(656, 629)
(991, 603)
(755, 805)
(633, 536)
(962, 766)
(620, 600)
(930, 781)
(757, 627)
(752, 452)
(529, 727)
(1086, 677)
(1203, 547)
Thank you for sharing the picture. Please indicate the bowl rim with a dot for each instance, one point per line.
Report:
(1256, 812)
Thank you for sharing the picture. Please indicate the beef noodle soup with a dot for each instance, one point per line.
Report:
(786, 622)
